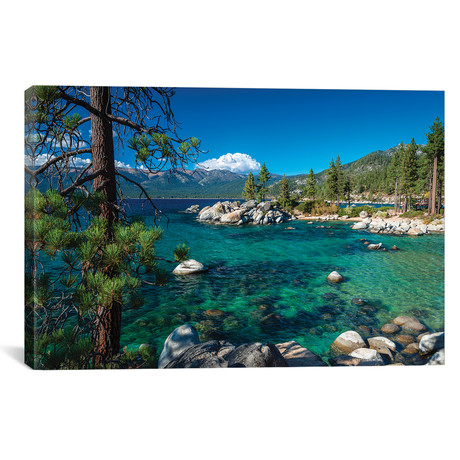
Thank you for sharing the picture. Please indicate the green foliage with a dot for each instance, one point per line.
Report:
(249, 191)
(264, 177)
(285, 195)
(181, 252)
(310, 189)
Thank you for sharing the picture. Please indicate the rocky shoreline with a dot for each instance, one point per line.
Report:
(250, 212)
(403, 341)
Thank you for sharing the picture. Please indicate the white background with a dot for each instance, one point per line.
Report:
(224, 414)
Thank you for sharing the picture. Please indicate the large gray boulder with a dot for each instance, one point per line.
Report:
(363, 214)
(374, 247)
(203, 355)
(298, 356)
(232, 217)
(256, 355)
(189, 267)
(430, 343)
(347, 342)
(178, 341)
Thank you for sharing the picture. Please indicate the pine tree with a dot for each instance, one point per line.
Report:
(310, 189)
(340, 179)
(285, 195)
(409, 172)
(395, 172)
(80, 222)
(249, 192)
(347, 189)
(332, 184)
(435, 153)
(264, 177)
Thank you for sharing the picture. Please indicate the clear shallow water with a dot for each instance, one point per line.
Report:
(258, 270)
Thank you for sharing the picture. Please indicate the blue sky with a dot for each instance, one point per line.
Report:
(295, 130)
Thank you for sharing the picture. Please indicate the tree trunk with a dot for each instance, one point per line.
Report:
(108, 322)
(435, 174)
(430, 193)
(438, 207)
(396, 197)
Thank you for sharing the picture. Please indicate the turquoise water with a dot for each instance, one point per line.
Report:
(256, 271)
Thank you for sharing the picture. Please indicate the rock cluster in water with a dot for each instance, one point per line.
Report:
(182, 349)
(404, 341)
(193, 209)
(399, 226)
(250, 212)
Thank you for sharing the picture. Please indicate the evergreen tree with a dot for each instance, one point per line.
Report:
(340, 179)
(249, 192)
(394, 172)
(332, 181)
(310, 189)
(285, 195)
(80, 223)
(264, 177)
(347, 189)
(435, 153)
(409, 172)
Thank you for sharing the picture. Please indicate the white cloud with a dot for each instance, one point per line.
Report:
(235, 162)
(120, 164)
(43, 158)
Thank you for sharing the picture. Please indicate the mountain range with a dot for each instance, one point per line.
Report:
(367, 172)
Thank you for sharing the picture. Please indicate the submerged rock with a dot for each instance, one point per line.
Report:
(178, 341)
(390, 328)
(298, 356)
(410, 323)
(188, 267)
(374, 246)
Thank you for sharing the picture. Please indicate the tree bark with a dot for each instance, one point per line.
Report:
(396, 197)
(430, 193)
(108, 322)
(438, 207)
(435, 175)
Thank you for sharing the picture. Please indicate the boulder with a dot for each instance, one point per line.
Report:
(188, 267)
(192, 209)
(209, 354)
(411, 348)
(395, 248)
(359, 226)
(298, 356)
(363, 214)
(147, 349)
(347, 342)
(374, 247)
(437, 358)
(414, 231)
(232, 217)
(430, 343)
(390, 328)
(203, 210)
(404, 339)
(367, 354)
(410, 323)
(256, 355)
(335, 277)
(346, 360)
(182, 338)
(249, 204)
(375, 342)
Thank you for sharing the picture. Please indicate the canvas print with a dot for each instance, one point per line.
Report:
(223, 227)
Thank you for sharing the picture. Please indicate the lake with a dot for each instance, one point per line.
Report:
(270, 283)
